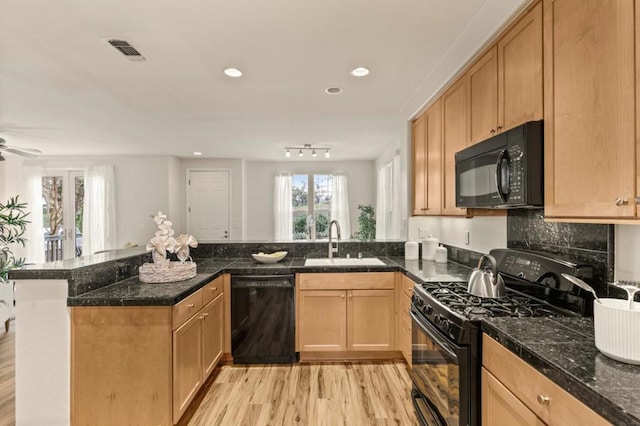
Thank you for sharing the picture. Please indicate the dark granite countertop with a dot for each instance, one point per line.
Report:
(563, 349)
(132, 292)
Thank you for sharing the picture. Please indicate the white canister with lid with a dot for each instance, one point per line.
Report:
(411, 250)
(441, 254)
(429, 245)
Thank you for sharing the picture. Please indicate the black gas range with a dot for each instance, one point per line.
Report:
(446, 341)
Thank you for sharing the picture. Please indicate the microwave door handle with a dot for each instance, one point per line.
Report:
(501, 193)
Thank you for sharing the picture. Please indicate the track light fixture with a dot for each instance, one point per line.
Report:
(306, 147)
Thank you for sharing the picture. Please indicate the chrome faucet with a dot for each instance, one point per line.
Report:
(333, 249)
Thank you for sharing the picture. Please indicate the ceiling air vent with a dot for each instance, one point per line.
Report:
(126, 49)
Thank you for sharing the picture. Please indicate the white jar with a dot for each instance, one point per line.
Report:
(441, 254)
(411, 250)
(429, 245)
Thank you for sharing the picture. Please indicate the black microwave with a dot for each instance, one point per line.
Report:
(505, 171)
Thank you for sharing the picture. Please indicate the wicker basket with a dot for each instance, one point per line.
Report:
(167, 272)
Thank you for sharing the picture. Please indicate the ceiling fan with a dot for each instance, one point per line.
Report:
(25, 152)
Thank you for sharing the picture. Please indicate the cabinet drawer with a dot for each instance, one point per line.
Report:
(527, 384)
(407, 286)
(212, 290)
(185, 309)
(347, 281)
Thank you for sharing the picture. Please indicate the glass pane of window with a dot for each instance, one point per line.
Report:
(322, 195)
(79, 204)
(300, 202)
(53, 214)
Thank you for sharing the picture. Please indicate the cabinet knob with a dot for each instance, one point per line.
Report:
(200, 317)
(214, 288)
(206, 314)
(342, 296)
(620, 201)
(498, 128)
(190, 305)
(492, 131)
(543, 400)
(423, 209)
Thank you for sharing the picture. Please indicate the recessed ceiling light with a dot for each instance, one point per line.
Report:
(360, 72)
(333, 90)
(232, 72)
(197, 153)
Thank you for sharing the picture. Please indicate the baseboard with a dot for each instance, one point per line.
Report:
(351, 356)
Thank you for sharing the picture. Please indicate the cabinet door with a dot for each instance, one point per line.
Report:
(433, 175)
(482, 98)
(589, 108)
(520, 72)
(187, 364)
(212, 335)
(419, 166)
(322, 320)
(454, 128)
(501, 407)
(371, 320)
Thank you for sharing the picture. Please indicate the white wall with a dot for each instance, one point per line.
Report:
(361, 181)
(10, 177)
(485, 233)
(142, 188)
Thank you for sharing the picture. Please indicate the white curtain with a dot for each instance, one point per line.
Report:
(31, 193)
(99, 215)
(388, 203)
(282, 207)
(340, 205)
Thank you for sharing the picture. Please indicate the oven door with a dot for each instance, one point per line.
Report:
(440, 373)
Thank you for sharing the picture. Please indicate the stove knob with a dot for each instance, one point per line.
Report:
(446, 325)
(428, 309)
(437, 319)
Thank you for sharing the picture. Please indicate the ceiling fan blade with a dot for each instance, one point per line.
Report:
(32, 150)
(20, 152)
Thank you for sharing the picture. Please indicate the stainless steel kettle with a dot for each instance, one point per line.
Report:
(486, 283)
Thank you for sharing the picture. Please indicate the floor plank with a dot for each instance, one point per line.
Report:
(7, 376)
(347, 393)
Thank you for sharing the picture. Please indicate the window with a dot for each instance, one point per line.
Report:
(311, 197)
(62, 204)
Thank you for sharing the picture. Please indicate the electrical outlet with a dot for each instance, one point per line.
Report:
(423, 232)
(466, 237)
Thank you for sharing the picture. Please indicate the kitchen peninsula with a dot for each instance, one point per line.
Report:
(108, 282)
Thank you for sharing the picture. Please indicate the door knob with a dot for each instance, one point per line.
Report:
(620, 201)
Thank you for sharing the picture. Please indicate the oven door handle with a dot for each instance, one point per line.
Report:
(445, 346)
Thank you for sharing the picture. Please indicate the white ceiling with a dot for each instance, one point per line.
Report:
(67, 92)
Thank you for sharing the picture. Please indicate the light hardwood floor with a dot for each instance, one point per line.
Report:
(7, 376)
(349, 393)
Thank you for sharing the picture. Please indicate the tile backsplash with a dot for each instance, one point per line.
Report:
(586, 243)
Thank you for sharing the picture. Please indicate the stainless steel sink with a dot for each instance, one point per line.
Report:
(365, 261)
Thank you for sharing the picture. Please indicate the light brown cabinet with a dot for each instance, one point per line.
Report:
(141, 364)
(404, 292)
(590, 109)
(512, 389)
(482, 97)
(454, 133)
(427, 161)
(345, 312)
(520, 87)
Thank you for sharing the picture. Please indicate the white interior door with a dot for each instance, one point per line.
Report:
(208, 204)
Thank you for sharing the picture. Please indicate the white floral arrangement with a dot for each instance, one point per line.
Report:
(162, 269)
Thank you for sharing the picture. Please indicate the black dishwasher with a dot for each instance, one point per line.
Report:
(263, 319)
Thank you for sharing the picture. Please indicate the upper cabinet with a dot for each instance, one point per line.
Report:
(590, 117)
(520, 72)
(454, 133)
(482, 97)
(427, 161)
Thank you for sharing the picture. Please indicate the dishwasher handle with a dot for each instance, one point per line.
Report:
(263, 281)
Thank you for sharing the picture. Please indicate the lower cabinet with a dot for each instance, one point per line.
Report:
(403, 296)
(515, 393)
(333, 316)
(197, 348)
(144, 364)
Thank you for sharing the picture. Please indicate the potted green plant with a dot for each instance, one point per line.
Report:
(366, 222)
(13, 224)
